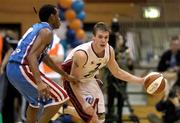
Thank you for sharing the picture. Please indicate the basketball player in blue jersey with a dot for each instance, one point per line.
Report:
(23, 72)
(84, 63)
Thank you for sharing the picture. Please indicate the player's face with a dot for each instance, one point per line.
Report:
(56, 20)
(101, 39)
(174, 45)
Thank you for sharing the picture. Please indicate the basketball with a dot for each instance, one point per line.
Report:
(154, 83)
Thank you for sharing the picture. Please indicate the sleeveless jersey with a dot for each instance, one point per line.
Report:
(24, 45)
(94, 63)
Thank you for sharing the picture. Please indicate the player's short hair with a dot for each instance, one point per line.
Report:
(45, 11)
(101, 26)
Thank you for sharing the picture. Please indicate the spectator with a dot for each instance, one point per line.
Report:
(170, 107)
(116, 87)
(9, 112)
(170, 63)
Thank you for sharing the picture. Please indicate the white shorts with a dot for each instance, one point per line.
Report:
(91, 93)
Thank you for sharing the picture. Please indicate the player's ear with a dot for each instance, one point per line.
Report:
(50, 18)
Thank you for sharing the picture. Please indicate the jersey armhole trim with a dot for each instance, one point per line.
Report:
(86, 55)
(109, 52)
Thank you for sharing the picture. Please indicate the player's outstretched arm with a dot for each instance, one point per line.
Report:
(120, 73)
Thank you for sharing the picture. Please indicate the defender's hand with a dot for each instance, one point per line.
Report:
(44, 90)
(72, 79)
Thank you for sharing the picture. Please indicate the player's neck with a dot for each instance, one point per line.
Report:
(99, 52)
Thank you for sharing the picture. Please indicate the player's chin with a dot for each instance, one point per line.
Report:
(102, 47)
(56, 26)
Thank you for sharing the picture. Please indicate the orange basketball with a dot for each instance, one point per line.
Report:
(154, 83)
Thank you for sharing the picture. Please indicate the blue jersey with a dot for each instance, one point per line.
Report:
(26, 42)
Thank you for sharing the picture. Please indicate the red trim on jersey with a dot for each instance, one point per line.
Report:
(86, 55)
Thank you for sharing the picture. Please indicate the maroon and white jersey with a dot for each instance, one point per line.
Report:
(93, 63)
(88, 87)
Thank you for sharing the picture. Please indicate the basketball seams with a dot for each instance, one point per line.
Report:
(154, 86)
(150, 79)
(154, 83)
(161, 87)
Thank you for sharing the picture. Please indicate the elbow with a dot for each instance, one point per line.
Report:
(115, 74)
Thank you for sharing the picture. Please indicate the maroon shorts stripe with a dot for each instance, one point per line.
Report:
(86, 117)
